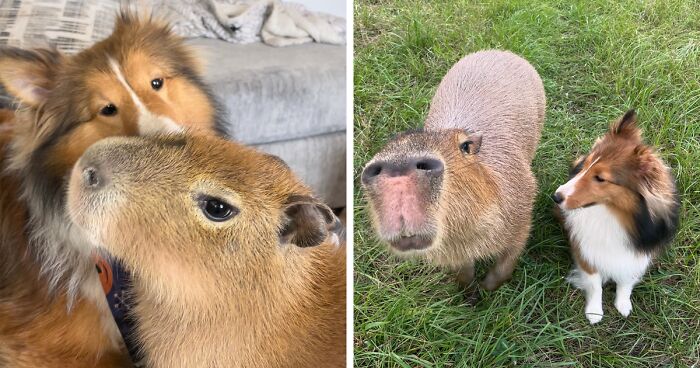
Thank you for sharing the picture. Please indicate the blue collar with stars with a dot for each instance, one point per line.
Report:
(116, 282)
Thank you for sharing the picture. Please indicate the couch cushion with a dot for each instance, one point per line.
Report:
(319, 161)
(275, 94)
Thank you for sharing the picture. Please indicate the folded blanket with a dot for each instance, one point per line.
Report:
(273, 22)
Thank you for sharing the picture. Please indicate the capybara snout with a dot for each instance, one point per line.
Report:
(405, 182)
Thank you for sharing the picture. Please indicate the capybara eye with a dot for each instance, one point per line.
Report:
(464, 147)
(598, 179)
(217, 210)
(109, 110)
(157, 83)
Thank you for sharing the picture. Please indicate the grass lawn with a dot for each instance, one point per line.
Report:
(596, 60)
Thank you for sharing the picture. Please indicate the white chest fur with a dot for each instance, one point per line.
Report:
(605, 244)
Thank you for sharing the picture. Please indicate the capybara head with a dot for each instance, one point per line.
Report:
(418, 179)
(195, 208)
(614, 172)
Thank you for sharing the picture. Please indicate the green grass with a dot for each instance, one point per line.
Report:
(596, 60)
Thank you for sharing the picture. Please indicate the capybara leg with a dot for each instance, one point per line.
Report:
(623, 303)
(502, 270)
(465, 275)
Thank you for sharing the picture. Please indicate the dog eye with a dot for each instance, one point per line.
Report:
(598, 179)
(217, 210)
(109, 110)
(464, 147)
(157, 83)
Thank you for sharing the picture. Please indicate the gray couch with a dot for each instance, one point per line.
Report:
(287, 101)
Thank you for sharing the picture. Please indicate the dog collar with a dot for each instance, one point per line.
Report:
(116, 282)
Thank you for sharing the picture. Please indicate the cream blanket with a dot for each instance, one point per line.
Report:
(273, 22)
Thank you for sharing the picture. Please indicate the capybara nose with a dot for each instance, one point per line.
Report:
(92, 178)
(430, 166)
(423, 165)
(372, 172)
(557, 198)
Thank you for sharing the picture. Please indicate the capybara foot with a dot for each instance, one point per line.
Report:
(465, 276)
(502, 271)
(493, 281)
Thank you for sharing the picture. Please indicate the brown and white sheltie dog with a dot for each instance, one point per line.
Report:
(141, 79)
(620, 208)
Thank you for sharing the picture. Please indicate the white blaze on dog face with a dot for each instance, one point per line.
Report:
(148, 122)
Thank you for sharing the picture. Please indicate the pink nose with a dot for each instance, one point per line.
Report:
(401, 204)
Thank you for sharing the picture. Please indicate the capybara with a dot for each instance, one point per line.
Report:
(620, 208)
(141, 79)
(462, 189)
(234, 262)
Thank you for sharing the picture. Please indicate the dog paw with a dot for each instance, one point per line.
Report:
(594, 318)
(594, 315)
(624, 306)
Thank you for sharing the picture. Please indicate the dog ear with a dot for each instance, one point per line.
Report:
(29, 75)
(626, 126)
(308, 222)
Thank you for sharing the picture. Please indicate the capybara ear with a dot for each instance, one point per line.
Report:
(626, 126)
(308, 222)
(29, 75)
(469, 142)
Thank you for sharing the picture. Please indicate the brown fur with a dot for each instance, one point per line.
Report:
(36, 329)
(7, 116)
(481, 206)
(263, 289)
(52, 311)
(580, 261)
